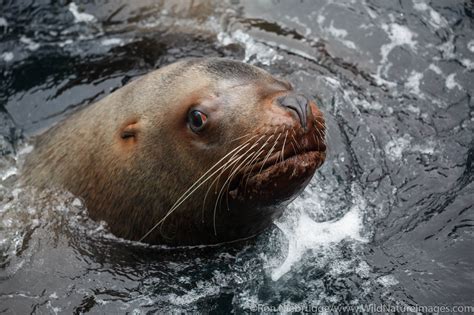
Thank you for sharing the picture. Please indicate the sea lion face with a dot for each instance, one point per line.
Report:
(231, 146)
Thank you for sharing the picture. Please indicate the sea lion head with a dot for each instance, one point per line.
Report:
(232, 146)
(202, 151)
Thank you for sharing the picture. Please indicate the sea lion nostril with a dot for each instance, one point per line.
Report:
(297, 103)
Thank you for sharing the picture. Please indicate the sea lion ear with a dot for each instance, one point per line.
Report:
(130, 130)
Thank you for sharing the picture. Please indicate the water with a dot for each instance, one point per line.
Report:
(388, 220)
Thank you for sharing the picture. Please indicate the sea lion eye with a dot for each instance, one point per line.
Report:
(197, 120)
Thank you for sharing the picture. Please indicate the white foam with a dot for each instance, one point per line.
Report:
(65, 43)
(333, 81)
(373, 105)
(413, 109)
(428, 148)
(387, 281)
(420, 6)
(341, 35)
(395, 148)
(201, 291)
(435, 20)
(25, 150)
(339, 267)
(363, 269)
(253, 49)
(470, 45)
(370, 12)
(320, 19)
(336, 32)
(111, 42)
(308, 234)
(7, 56)
(80, 16)
(56, 310)
(30, 44)
(3, 22)
(435, 69)
(413, 83)
(77, 203)
(469, 64)
(399, 35)
(4, 174)
(451, 82)
(447, 48)
(296, 20)
(293, 50)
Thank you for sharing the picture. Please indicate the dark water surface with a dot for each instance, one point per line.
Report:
(388, 220)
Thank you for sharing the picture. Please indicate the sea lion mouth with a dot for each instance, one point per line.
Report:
(281, 175)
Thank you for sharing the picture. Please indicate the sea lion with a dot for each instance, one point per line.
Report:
(202, 151)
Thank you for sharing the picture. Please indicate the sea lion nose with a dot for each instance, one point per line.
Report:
(299, 104)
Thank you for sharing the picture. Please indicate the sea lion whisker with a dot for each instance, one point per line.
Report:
(267, 156)
(296, 142)
(261, 150)
(253, 146)
(241, 137)
(225, 165)
(253, 163)
(234, 159)
(322, 128)
(235, 151)
(276, 141)
(185, 196)
(322, 135)
(254, 154)
(216, 181)
(223, 186)
(191, 189)
(294, 149)
(232, 177)
(316, 139)
(283, 147)
(247, 174)
(221, 169)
